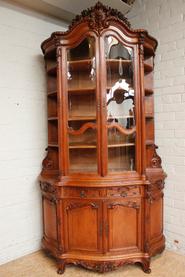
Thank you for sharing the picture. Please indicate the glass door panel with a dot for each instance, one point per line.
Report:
(82, 118)
(120, 106)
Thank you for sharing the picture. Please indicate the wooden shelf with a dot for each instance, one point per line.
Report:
(52, 71)
(149, 116)
(114, 145)
(149, 142)
(85, 146)
(148, 51)
(52, 93)
(148, 91)
(51, 53)
(120, 116)
(53, 144)
(114, 63)
(51, 118)
(148, 68)
(80, 65)
(81, 90)
(81, 118)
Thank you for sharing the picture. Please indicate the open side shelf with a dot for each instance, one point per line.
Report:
(52, 93)
(148, 68)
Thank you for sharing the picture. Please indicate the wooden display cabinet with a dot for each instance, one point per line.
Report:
(102, 181)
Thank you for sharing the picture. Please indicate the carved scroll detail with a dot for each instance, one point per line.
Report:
(129, 204)
(103, 267)
(47, 163)
(46, 187)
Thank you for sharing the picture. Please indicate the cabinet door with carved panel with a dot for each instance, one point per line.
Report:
(83, 225)
(123, 225)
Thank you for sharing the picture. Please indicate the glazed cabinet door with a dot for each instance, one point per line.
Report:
(81, 103)
(83, 225)
(119, 105)
(123, 225)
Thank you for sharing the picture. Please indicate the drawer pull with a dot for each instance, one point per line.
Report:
(123, 194)
(82, 194)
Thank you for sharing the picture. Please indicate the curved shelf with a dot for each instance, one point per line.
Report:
(149, 116)
(80, 65)
(82, 118)
(114, 145)
(120, 117)
(148, 51)
(52, 93)
(52, 118)
(114, 63)
(148, 91)
(53, 144)
(50, 52)
(81, 90)
(149, 142)
(148, 68)
(85, 146)
(52, 71)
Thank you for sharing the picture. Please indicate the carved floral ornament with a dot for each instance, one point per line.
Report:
(111, 266)
(97, 17)
(46, 187)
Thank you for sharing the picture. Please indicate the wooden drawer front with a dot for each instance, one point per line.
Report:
(81, 192)
(127, 191)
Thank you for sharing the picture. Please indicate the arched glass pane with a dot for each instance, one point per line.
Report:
(120, 106)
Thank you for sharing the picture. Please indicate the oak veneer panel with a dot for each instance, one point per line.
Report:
(122, 233)
(156, 225)
(82, 226)
(50, 220)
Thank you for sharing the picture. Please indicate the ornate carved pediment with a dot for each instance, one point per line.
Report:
(98, 17)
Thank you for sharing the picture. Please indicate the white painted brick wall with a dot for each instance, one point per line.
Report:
(23, 127)
(165, 20)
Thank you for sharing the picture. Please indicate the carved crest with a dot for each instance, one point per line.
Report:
(98, 17)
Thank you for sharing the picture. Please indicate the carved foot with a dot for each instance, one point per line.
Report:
(148, 271)
(61, 267)
(146, 267)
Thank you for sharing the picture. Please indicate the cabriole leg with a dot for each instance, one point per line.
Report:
(146, 266)
(61, 266)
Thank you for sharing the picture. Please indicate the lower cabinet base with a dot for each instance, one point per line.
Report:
(104, 266)
(100, 263)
